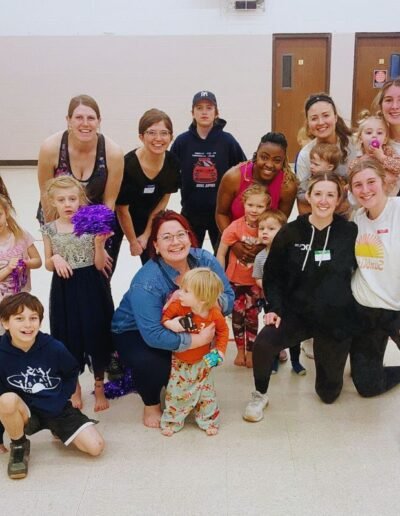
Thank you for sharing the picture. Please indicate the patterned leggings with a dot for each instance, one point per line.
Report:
(245, 315)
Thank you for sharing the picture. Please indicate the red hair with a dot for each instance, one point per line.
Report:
(166, 216)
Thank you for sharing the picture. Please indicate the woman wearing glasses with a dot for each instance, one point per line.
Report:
(143, 343)
(151, 174)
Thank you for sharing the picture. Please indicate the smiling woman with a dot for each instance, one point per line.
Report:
(84, 153)
(325, 125)
(307, 278)
(270, 168)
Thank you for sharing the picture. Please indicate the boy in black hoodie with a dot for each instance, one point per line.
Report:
(37, 378)
(205, 153)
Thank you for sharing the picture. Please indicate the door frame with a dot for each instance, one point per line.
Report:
(310, 35)
(357, 37)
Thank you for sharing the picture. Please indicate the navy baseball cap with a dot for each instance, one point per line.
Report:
(204, 95)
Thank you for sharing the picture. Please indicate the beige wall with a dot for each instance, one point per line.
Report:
(128, 75)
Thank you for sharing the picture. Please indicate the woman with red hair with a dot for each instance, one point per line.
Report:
(143, 343)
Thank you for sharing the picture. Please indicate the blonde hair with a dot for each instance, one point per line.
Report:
(363, 117)
(205, 285)
(64, 182)
(363, 164)
(256, 189)
(12, 224)
(275, 214)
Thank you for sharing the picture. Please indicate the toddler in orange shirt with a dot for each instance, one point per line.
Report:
(190, 386)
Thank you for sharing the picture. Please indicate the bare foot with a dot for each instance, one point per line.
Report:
(101, 402)
(167, 431)
(152, 416)
(212, 430)
(3, 449)
(76, 398)
(249, 359)
(240, 359)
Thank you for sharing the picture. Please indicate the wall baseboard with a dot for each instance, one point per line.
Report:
(18, 162)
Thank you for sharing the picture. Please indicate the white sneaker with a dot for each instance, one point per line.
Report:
(308, 347)
(254, 411)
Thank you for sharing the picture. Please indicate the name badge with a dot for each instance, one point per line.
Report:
(149, 189)
(322, 256)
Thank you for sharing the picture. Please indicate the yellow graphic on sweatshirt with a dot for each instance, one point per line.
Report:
(369, 251)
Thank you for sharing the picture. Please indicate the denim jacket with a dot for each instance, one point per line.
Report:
(141, 307)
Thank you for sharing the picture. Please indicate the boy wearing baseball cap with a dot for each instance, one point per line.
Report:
(205, 152)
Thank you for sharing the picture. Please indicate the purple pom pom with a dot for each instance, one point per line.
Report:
(118, 388)
(375, 143)
(95, 219)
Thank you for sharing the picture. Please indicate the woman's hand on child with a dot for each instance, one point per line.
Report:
(272, 319)
(173, 297)
(174, 325)
(61, 266)
(245, 253)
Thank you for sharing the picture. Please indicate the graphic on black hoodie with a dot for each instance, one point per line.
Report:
(205, 171)
(34, 380)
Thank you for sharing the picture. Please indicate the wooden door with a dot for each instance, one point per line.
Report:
(372, 59)
(301, 66)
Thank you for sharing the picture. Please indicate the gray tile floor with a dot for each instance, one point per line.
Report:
(304, 458)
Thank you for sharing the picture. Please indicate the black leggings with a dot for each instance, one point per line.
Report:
(150, 366)
(367, 351)
(329, 354)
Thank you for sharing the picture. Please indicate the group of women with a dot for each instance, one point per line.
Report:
(312, 281)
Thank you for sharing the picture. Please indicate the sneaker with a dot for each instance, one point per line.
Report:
(275, 366)
(308, 347)
(298, 369)
(254, 411)
(19, 457)
(283, 355)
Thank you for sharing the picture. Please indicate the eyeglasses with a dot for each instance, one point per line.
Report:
(160, 134)
(168, 238)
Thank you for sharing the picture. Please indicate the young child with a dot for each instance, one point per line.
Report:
(18, 255)
(190, 386)
(81, 305)
(37, 377)
(247, 294)
(269, 224)
(372, 137)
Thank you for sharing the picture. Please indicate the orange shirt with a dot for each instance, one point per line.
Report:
(192, 356)
(238, 231)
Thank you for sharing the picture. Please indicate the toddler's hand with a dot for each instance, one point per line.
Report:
(13, 263)
(213, 358)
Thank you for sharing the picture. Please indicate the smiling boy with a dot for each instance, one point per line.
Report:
(37, 377)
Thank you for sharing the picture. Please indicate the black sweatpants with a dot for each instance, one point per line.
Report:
(150, 366)
(367, 351)
(201, 223)
(329, 354)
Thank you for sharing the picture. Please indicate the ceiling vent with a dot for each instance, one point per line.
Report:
(247, 5)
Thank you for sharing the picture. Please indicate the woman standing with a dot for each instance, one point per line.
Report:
(151, 174)
(269, 167)
(325, 126)
(84, 153)
(306, 280)
(376, 283)
(143, 343)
